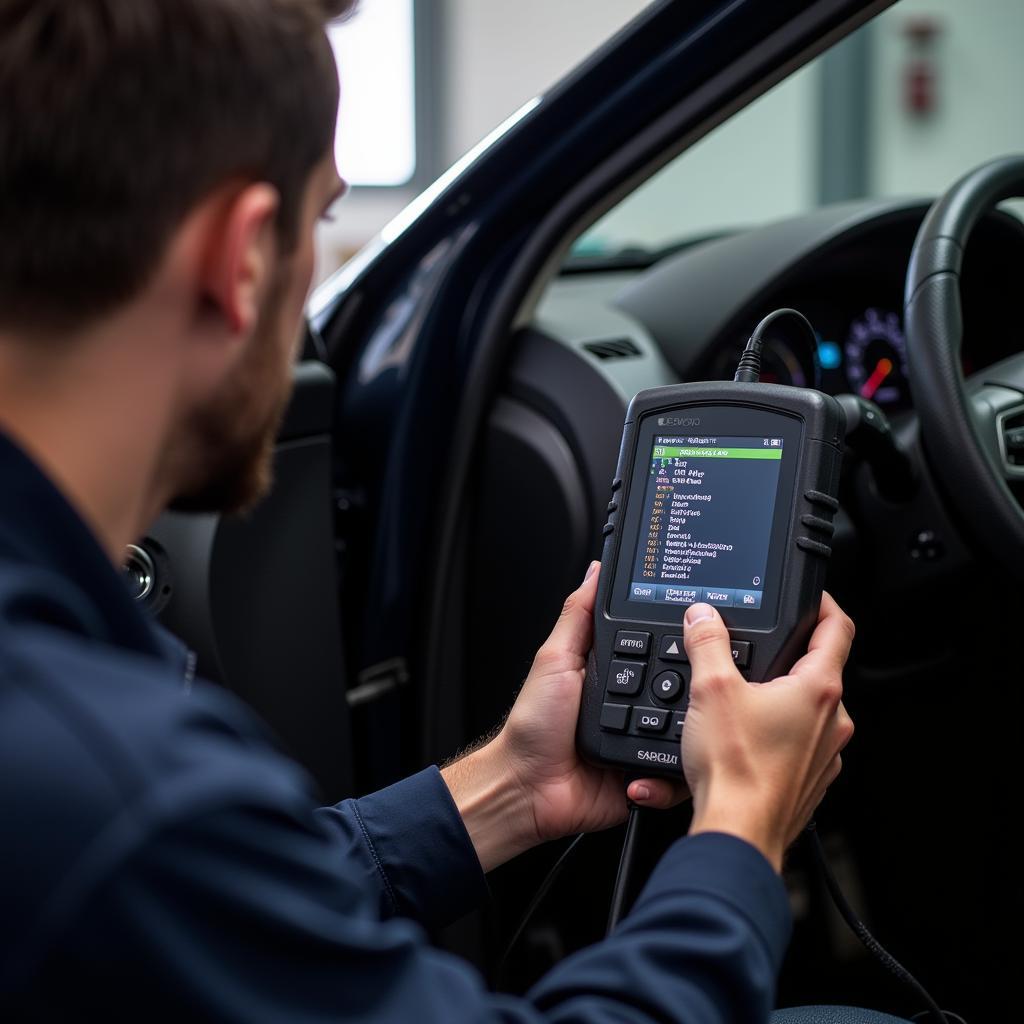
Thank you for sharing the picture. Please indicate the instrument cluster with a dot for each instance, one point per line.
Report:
(864, 353)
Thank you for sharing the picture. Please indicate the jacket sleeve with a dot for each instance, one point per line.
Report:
(411, 849)
(260, 912)
(703, 944)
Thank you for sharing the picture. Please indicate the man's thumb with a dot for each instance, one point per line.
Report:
(707, 642)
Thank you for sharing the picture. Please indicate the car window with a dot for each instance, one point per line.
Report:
(902, 107)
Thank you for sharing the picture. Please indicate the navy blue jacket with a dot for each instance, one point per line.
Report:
(161, 860)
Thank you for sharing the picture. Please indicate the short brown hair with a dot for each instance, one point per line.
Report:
(118, 116)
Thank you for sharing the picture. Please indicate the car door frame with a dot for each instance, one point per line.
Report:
(418, 326)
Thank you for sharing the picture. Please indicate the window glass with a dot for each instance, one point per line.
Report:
(903, 107)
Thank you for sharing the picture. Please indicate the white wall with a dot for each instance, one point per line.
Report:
(500, 54)
(497, 56)
(980, 90)
(763, 163)
(759, 165)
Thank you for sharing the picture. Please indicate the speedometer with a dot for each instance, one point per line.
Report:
(876, 358)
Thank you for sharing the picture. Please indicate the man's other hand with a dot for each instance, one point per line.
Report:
(529, 784)
(759, 758)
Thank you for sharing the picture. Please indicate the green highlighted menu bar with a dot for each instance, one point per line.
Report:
(665, 452)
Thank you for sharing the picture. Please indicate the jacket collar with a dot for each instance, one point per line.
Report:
(44, 537)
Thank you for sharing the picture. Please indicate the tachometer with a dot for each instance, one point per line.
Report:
(876, 358)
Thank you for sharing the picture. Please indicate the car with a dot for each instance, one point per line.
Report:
(444, 471)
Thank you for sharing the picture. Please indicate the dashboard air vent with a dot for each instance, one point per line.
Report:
(614, 348)
(1013, 438)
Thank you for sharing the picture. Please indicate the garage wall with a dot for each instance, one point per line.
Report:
(496, 56)
(765, 162)
(761, 164)
(979, 79)
(502, 54)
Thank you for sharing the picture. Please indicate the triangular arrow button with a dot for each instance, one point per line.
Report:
(671, 649)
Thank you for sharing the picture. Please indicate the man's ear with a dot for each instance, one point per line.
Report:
(240, 256)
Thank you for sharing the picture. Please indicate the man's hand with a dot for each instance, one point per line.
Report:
(528, 784)
(759, 758)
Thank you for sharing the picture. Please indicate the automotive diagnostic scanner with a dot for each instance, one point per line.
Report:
(725, 494)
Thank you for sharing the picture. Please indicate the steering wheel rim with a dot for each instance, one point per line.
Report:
(966, 417)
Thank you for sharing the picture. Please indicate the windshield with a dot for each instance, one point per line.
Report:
(903, 107)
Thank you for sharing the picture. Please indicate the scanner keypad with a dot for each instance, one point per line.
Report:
(648, 691)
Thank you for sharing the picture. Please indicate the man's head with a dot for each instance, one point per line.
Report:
(137, 135)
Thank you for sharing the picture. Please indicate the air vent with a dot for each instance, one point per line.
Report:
(614, 348)
(1013, 438)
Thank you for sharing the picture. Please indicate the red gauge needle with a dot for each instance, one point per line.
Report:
(874, 382)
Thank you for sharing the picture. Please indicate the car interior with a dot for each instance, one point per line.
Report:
(927, 553)
(896, 562)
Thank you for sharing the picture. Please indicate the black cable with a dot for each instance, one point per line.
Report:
(873, 946)
(748, 370)
(545, 886)
(623, 877)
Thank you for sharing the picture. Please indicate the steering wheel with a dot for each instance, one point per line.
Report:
(967, 427)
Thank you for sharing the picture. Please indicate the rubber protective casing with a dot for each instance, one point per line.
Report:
(809, 508)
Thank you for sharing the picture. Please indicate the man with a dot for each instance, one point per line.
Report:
(162, 167)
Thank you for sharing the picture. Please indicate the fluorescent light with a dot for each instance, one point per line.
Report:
(376, 143)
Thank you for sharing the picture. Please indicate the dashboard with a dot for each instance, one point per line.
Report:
(688, 316)
(598, 337)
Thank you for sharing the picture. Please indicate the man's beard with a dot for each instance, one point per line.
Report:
(237, 472)
(229, 444)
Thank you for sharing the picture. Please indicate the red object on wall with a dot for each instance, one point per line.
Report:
(919, 97)
(920, 73)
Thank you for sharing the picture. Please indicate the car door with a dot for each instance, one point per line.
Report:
(418, 328)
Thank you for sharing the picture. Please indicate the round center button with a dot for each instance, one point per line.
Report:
(667, 686)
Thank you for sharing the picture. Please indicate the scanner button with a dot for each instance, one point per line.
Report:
(672, 648)
(747, 599)
(650, 720)
(627, 642)
(615, 717)
(721, 597)
(816, 523)
(825, 501)
(667, 686)
(813, 547)
(741, 651)
(625, 677)
(678, 718)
